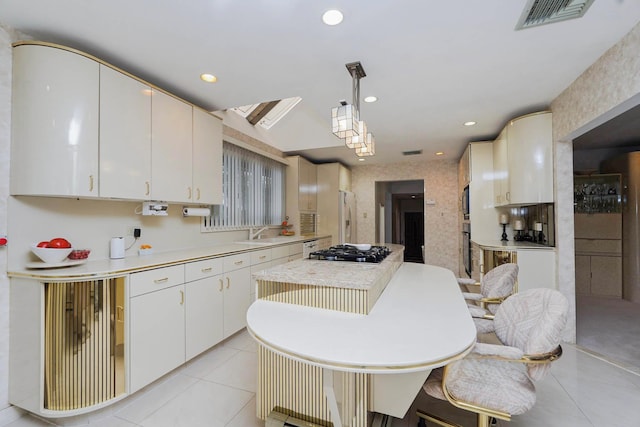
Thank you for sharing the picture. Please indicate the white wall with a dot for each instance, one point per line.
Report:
(7, 413)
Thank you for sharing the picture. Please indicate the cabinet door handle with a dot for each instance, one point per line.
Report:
(228, 283)
(189, 192)
(119, 313)
(146, 183)
(90, 182)
(164, 279)
(263, 257)
(181, 297)
(221, 285)
(508, 196)
(238, 262)
(198, 193)
(206, 270)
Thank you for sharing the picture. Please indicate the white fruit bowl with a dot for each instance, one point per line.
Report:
(51, 255)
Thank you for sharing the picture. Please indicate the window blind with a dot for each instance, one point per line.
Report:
(253, 188)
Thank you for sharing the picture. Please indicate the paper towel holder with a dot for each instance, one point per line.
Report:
(192, 211)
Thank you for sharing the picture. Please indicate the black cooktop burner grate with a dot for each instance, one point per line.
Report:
(351, 253)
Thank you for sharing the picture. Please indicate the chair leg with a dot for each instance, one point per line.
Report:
(434, 419)
(484, 420)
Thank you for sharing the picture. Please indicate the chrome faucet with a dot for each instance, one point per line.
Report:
(257, 234)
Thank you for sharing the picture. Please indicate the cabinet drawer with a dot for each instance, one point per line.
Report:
(153, 280)
(279, 252)
(598, 226)
(258, 257)
(598, 246)
(201, 269)
(235, 262)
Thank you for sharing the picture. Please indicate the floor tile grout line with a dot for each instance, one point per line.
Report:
(575, 403)
(241, 409)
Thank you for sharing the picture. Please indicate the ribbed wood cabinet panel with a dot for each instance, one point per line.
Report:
(83, 343)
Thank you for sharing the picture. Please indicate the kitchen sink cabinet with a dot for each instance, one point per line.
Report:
(523, 161)
(54, 149)
(171, 148)
(125, 136)
(207, 158)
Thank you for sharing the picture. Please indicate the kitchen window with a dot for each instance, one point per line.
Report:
(253, 188)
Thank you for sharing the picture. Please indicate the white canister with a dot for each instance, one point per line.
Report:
(117, 248)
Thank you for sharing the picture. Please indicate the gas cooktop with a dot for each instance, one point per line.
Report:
(351, 253)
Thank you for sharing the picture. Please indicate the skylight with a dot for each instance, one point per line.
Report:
(267, 114)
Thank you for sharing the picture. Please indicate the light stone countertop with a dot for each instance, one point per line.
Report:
(421, 321)
(511, 245)
(117, 267)
(339, 274)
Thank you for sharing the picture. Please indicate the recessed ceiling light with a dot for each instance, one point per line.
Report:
(332, 17)
(371, 99)
(439, 153)
(209, 78)
(471, 123)
(361, 159)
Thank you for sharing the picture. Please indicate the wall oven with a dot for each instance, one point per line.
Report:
(466, 247)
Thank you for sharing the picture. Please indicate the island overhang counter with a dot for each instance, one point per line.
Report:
(325, 364)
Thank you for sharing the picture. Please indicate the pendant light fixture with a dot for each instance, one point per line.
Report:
(368, 146)
(345, 119)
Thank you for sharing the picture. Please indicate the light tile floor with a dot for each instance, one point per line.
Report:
(217, 389)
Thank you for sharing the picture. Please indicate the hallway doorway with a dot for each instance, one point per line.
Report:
(400, 216)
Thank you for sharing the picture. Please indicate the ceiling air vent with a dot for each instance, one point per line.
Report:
(411, 153)
(540, 12)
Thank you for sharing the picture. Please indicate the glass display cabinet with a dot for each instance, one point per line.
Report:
(599, 193)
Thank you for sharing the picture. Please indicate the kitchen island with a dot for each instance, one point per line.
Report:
(322, 361)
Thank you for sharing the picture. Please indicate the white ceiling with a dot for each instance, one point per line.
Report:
(433, 65)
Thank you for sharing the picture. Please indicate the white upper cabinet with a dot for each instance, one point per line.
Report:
(125, 136)
(531, 159)
(500, 170)
(307, 183)
(171, 148)
(525, 175)
(207, 158)
(54, 148)
(86, 129)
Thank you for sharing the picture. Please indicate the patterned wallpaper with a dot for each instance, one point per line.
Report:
(441, 227)
(611, 81)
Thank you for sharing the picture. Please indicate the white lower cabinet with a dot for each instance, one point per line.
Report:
(157, 324)
(237, 292)
(260, 260)
(178, 312)
(237, 298)
(295, 251)
(204, 302)
(537, 269)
